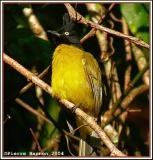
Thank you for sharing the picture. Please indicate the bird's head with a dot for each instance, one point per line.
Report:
(66, 34)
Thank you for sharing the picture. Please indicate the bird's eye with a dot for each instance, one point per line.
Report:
(66, 33)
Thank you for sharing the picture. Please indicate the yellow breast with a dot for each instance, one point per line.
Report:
(71, 80)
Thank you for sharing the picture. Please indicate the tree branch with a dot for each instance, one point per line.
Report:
(123, 105)
(43, 117)
(91, 122)
(88, 119)
(82, 20)
(30, 84)
(30, 76)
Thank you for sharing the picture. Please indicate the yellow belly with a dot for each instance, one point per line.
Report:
(69, 78)
(72, 81)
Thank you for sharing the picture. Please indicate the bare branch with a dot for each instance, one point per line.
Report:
(30, 76)
(129, 98)
(36, 140)
(92, 123)
(141, 62)
(43, 117)
(30, 84)
(82, 20)
(29, 108)
(88, 119)
(128, 51)
(123, 106)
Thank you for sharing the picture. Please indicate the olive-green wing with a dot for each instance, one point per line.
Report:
(93, 75)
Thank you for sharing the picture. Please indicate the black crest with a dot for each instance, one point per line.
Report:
(66, 34)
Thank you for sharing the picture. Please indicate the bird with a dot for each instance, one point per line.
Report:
(76, 77)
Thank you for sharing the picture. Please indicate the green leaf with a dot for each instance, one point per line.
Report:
(137, 17)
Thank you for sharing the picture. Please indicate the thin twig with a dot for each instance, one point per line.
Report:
(108, 116)
(29, 108)
(128, 51)
(127, 77)
(35, 139)
(129, 98)
(84, 21)
(131, 85)
(115, 18)
(127, 43)
(43, 117)
(30, 76)
(141, 62)
(68, 146)
(40, 123)
(30, 84)
(76, 129)
(88, 119)
(92, 32)
(92, 123)
(123, 106)
(133, 93)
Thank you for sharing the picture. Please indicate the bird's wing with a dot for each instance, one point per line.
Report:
(93, 75)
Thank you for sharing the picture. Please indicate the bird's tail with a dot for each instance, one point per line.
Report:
(90, 146)
(85, 149)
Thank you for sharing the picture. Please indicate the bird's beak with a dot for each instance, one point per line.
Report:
(53, 33)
